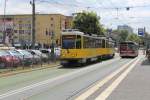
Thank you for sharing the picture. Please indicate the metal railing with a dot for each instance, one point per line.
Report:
(30, 63)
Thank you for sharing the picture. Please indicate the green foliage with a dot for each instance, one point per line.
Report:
(120, 36)
(88, 22)
(123, 35)
(133, 37)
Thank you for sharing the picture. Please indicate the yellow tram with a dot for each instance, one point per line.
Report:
(81, 48)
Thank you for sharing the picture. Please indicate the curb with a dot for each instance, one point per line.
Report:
(26, 71)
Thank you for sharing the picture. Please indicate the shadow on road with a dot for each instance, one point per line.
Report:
(146, 62)
(78, 66)
(72, 66)
(128, 57)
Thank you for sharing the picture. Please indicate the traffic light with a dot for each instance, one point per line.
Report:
(127, 8)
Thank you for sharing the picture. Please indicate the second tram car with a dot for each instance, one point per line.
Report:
(128, 49)
(80, 48)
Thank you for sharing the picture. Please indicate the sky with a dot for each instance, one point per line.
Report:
(112, 12)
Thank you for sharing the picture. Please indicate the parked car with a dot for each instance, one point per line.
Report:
(27, 57)
(6, 60)
(42, 56)
(57, 51)
(148, 54)
(46, 52)
(37, 59)
(16, 54)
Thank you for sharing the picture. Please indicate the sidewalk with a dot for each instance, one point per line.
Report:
(9, 72)
(136, 86)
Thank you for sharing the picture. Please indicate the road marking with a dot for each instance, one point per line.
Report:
(36, 85)
(104, 95)
(93, 89)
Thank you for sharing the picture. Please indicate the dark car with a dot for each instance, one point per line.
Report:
(7, 60)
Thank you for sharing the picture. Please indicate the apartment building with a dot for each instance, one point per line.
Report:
(19, 28)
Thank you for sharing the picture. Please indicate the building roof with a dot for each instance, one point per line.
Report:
(31, 14)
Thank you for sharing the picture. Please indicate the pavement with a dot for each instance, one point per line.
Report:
(136, 86)
(114, 79)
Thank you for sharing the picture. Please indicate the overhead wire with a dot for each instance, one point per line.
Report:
(131, 22)
(102, 7)
(118, 14)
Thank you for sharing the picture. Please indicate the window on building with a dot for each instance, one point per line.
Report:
(15, 31)
(52, 18)
(29, 33)
(21, 31)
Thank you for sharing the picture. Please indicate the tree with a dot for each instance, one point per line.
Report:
(120, 35)
(134, 37)
(145, 39)
(88, 22)
(123, 35)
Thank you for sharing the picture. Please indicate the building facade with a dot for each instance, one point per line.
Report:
(47, 26)
(126, 28)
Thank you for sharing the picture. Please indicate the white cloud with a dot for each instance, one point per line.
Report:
(138, 2)
(87, 1)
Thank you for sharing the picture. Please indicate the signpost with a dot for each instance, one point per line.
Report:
(141, 31)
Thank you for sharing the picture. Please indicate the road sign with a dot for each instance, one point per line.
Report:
(141, 31)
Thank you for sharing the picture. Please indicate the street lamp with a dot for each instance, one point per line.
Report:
(33, 23)
(52, 46)
(4, 20)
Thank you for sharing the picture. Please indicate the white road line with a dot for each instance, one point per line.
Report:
(104, 95)
(93, 89)
(36, 85)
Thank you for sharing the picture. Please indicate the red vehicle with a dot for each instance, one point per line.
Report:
(128, 49)
(6, 60)
(148, 54)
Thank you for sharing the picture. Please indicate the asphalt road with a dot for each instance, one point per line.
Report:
(120, 76)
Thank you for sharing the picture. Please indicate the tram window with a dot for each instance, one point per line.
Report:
(86, 42)
(68, 42)
(103, 43)
(92, 43)
(95, 43)
(132, 46)
(107, 44)
(98, 43)
(78, 42)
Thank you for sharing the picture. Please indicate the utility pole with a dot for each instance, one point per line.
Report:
(33, 23)
(52, 47)
(4, 20)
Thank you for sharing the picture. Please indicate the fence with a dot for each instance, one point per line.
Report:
(27, 63)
